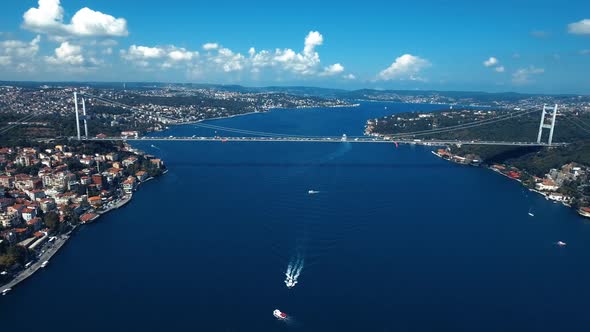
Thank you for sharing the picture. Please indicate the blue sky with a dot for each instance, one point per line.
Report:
(526, 46)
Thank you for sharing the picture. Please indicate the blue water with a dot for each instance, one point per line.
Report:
(396, 240)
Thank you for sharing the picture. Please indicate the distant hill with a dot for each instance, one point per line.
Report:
(361, 94)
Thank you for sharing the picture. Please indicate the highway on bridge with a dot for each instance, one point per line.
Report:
(334, 139)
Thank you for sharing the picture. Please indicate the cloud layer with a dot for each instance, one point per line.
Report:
(48, 18)
(217, 58)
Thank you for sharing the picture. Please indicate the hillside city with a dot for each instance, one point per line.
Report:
(48, 190)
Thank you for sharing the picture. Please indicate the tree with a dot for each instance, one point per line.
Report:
(51, 220)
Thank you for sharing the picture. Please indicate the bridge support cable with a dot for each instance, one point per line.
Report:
(256, 133)
(464, 126)
(17, 123)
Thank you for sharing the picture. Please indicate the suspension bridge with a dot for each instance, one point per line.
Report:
(547, 122)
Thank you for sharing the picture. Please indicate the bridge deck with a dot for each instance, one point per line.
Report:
(322, 140)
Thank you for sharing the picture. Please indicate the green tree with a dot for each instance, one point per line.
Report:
(51, 220)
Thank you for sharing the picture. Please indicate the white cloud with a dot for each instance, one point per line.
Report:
(48, 18)
(579, 28)
(349, 77)
(18, 52)
(142, 53)
(313, 39)
(67, 54)
(523, 75)
(492, 61)
(181, 54)
(224, 60)
(163, 56)
(227, 60)
(210, 46)
(332, 70)
(405, 67)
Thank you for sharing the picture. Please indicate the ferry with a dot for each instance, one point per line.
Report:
(313, 192)
(278, 314)
(6, 291)
(44, 264)
(561, 243)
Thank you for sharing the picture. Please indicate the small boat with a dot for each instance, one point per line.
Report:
(44, 264)
(278, 314)
(561, 243)
(6, 291)
(3, 273)
(313, 192)
(290, 282)
(531, 214)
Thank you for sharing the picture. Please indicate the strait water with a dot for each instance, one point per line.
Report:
(396, 240)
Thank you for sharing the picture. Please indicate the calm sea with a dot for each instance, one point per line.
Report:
(395, 240)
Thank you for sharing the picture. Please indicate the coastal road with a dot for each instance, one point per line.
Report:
(46, 256)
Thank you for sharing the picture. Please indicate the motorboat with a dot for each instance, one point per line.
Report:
(278, 314)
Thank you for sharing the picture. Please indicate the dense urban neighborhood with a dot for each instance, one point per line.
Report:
(47, 111)
(50, 189)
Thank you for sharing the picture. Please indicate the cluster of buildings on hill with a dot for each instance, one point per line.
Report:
(46, 191)
(152, 108)
(569, 184)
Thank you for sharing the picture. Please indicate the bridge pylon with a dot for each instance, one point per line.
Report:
(77, 114)
(544, 125)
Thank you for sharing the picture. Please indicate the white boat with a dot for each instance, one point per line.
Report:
(6, 291)
(3, 273)
(561, 243)
(44, 264)
(290, 282)
(531, 214)
(313, 192)
(278, 314)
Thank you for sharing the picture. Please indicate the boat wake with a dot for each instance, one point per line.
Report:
(294, 271)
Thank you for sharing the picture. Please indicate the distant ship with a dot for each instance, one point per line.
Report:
(531, 214)
(561, 243)
(6, 291)
(278, 314)
(44, 264)
(313, 192)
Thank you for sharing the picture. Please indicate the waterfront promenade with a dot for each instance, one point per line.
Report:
(53, 248)
(45, 256)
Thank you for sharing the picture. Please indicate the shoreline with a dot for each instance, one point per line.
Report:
(48, 253)
(46, 256)
(262, 112)
(545, 195)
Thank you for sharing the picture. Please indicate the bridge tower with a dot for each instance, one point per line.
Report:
(545, 125)
(77, 114)
(84, 117)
